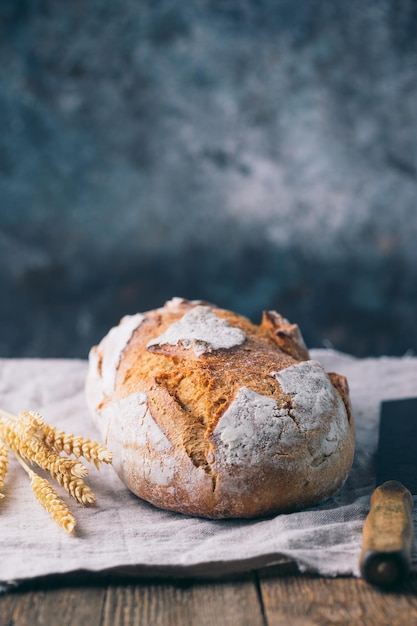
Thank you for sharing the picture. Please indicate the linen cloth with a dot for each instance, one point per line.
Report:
(122, 533)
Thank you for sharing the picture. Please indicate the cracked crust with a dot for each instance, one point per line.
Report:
(214, 416)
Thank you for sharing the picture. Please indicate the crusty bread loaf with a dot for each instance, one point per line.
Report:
(210, 415)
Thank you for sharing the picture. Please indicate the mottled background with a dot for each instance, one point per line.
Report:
(254, 153)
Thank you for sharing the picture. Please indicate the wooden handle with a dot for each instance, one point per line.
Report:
(388, 535)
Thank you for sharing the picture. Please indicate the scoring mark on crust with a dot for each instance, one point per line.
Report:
(202, 330)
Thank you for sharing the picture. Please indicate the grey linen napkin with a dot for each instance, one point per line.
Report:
(121, 533)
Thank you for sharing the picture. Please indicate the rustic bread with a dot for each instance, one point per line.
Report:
(210, 415)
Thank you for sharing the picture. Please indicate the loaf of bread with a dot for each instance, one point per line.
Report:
(211, 415)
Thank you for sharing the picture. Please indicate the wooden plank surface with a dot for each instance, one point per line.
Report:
(63, 607)
(203, 604)
(312, 600)
(260, 599)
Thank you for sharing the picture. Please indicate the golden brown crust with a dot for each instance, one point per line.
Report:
(340, 383)
(286, 335)
(212, 415)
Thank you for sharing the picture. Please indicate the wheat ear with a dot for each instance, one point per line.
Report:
(32, 440)
(92, 451)
(77, 488)
(49, 499)
(59, 440)
(21, 435)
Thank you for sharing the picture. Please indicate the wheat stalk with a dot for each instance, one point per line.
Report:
(4, 457)
(59, 440)
(21, 436)
(31, 439)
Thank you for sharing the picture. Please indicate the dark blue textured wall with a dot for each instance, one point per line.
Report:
(257, 154)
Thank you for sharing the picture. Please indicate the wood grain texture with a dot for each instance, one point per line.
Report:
(267, 599)
(211, 604)
(65, 607)
(315, 601)
(7, 604)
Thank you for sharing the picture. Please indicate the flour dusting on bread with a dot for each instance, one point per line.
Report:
(113, 346)
(315, 404)
(202, 330)
(253, 428)
(138, 431)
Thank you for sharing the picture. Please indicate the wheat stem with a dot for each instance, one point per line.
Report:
(25, 466)
(4, 457)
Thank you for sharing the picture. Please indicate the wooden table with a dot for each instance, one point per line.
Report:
(268, 597)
